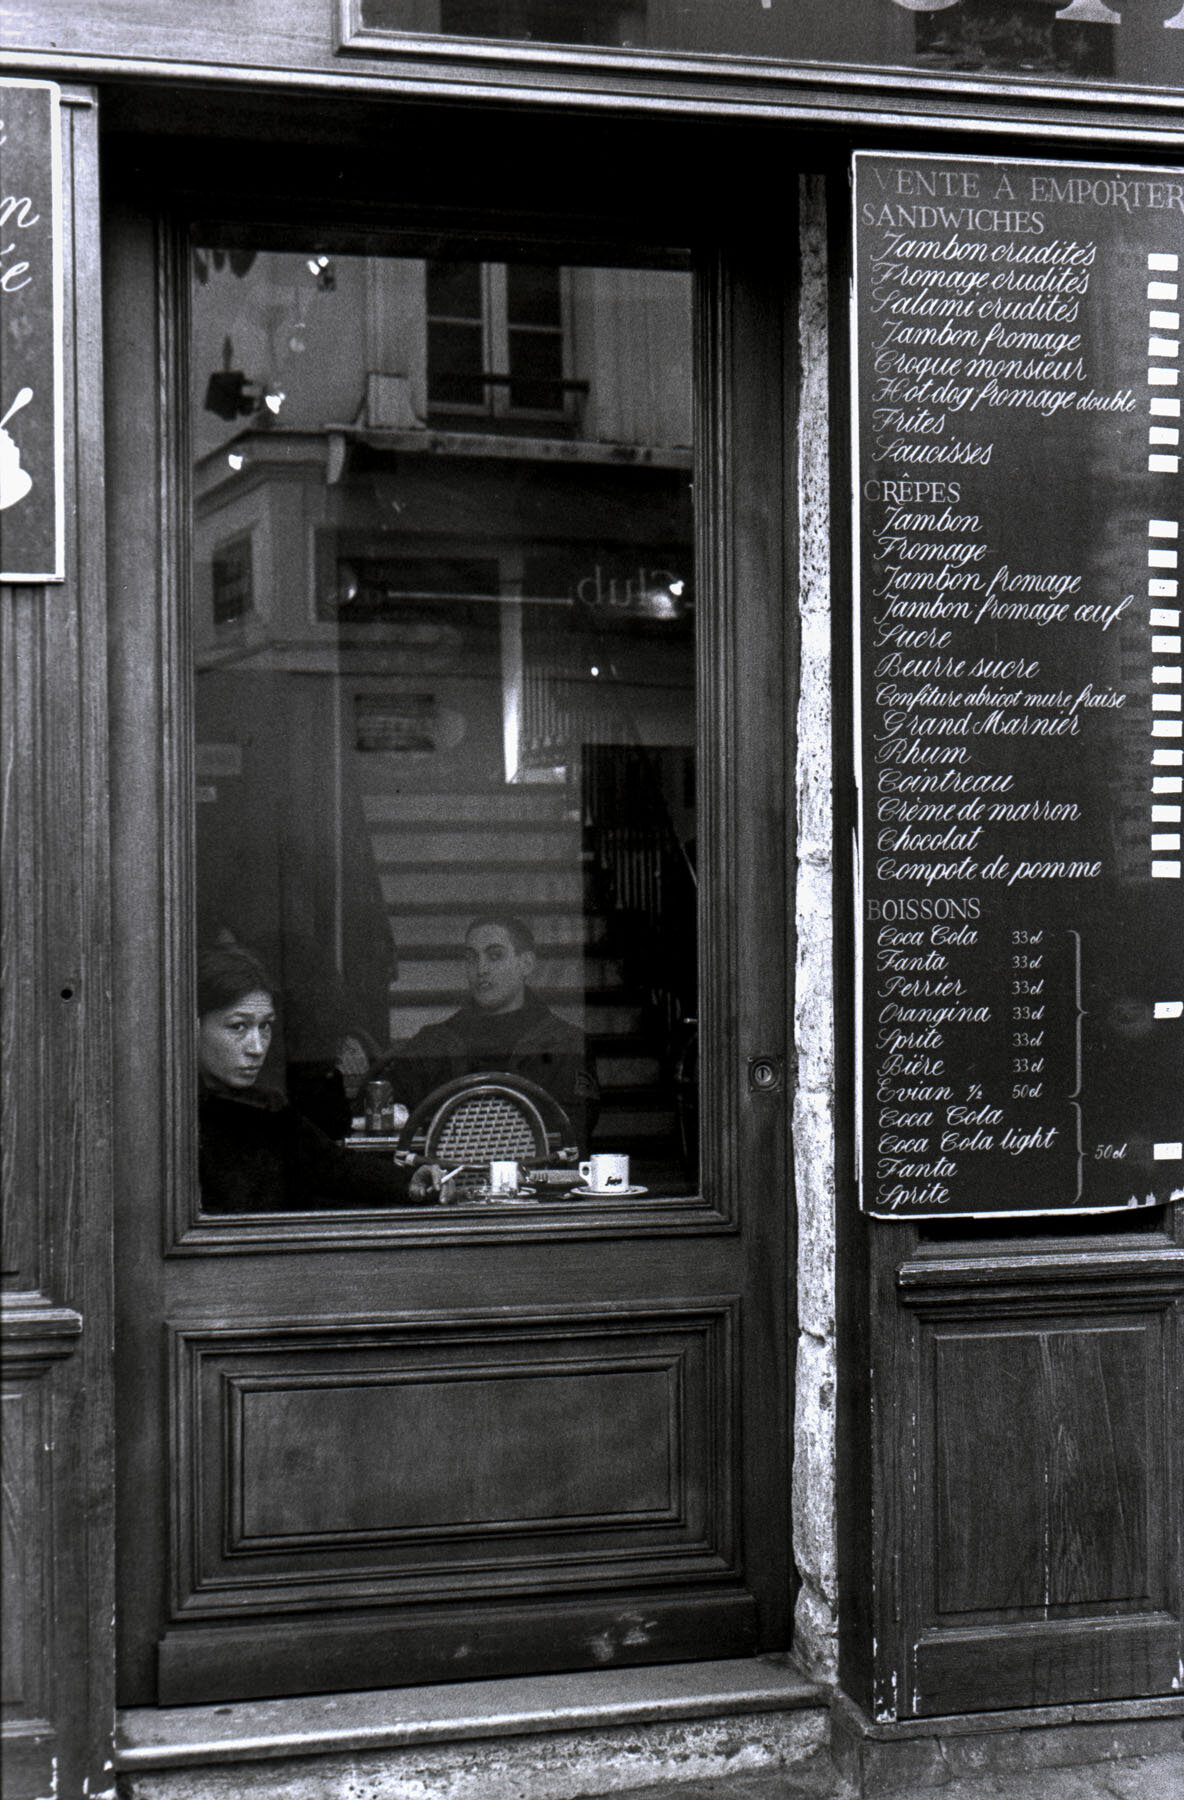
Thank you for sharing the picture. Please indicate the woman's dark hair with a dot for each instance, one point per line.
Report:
(225, 975)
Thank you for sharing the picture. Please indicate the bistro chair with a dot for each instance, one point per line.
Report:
(477, 1119)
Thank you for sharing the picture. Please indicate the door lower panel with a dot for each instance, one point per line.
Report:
(360, 1478)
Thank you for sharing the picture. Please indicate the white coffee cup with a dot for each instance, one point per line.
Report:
(503, 1177)
(604, 1174)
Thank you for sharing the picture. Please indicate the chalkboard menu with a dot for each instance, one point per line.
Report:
(31, 516)
(1020, 749)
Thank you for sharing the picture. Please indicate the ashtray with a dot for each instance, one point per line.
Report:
(484, 1196)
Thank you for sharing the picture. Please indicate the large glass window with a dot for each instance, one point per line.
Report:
(1084, 40)
(444, 653)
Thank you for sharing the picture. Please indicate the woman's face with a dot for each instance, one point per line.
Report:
(232, 1041)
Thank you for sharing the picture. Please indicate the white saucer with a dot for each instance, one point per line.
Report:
(589, 1193)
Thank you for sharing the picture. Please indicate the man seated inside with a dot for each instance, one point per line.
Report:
(501, 1026)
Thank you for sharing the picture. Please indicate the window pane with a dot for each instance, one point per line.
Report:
(556, 21)
(444, 701)
(454, 290)
(455, 357)
(536, 363)
(532, 295)
(1083, 41)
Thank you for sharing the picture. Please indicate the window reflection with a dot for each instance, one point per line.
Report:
(444, 701)
(496, 341)
(548, 21)
(1072, 39)
(1017, 36)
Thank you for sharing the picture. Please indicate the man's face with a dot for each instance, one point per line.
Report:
(497, 973)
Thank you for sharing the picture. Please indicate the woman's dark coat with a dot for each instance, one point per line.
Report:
(256, 1153)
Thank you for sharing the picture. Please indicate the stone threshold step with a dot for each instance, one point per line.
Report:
(323, 1724)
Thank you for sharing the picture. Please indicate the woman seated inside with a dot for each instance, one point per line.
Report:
(256, 1153)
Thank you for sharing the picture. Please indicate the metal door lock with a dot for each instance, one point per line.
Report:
(764, 1074)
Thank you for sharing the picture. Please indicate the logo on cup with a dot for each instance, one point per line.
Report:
(604, 1174)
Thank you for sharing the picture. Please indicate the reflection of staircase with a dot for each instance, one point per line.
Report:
(442, 858)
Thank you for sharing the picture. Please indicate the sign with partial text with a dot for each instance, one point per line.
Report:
(31, 500)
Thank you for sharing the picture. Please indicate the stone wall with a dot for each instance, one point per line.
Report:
(814, 1517)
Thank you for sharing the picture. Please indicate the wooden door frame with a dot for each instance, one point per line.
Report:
(56, 1074)
(745, 432)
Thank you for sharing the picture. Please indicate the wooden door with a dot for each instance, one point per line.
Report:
(1028, 1550)
(373, 1448)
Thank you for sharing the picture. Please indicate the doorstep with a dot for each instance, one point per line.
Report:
(595, 1701)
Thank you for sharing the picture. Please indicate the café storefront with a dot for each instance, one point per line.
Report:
(621, 560)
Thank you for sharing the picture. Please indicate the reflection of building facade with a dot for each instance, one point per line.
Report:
(457, 482)
(446, 556)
